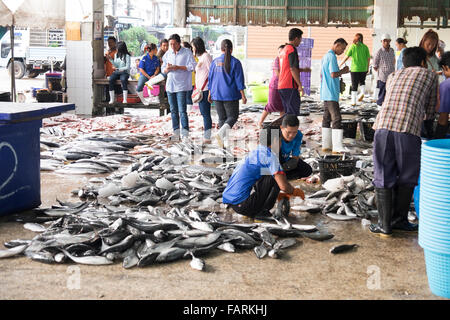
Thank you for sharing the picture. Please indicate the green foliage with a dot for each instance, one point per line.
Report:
(207, 33)
(134, 37)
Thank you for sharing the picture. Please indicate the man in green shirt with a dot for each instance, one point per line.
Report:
(360, 55)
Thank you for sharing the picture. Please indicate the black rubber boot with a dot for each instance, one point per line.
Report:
(402, 202)
(441, 131)
(384, 205)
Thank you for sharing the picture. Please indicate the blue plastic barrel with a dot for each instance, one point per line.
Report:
(434, 208)
(438, 272)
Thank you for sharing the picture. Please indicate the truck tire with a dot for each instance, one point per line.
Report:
(33, 74)
(19, 69)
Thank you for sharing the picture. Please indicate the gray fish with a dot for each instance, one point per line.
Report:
(89, 260)
(319, 194)
(130, 260)
(317, 236)
(197, 264)
(227, 247)
(171, 254)
(334, 194)
(13, 251)
(260, 251)
(194, 242)
(275, 253)
(342, 248)
(339, 217)
(35, 227)
(285, 243)
(121, 246)
(42, 256)
(200, 225)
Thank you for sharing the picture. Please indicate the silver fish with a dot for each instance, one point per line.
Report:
(197, 263)
(227, 247)
(260, 251)
(339, 217)
(285, 243)
(90, 260)
(13, 251)
(35, 227)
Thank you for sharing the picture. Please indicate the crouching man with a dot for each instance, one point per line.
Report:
(291, 144)
(411, 97)
(257, 181)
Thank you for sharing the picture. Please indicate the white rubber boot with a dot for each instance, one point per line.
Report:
(375, 94)
(143, 100)
(337, 137)
(326, 139)
(354, 97)
(111, 97)
(125, 96)
(363, 93)
(220, 136)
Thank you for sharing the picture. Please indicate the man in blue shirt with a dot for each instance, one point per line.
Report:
(261, 173)
(329, 94)
(178, 64)
(291, 144)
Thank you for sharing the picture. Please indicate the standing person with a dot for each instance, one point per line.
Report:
(163, 47)
(411, 96)
(189, 102)
(291, 145)
(444, 92)
(401, 46)
(121, 70)
(289, 84)
(360, 55)
(275, 104)
(111, 54)
(332, 132)
(201, 82)
(260, 172)
(430, 42)
(178, 65)
(149, 67)
(384, 64)
(226, 84)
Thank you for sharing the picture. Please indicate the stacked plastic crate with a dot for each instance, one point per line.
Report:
(304, 53)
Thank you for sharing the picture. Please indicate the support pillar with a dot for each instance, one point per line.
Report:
(385, 21)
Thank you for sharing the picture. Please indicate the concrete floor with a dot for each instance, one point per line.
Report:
(378, 269)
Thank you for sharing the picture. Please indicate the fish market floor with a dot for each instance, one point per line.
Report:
(377, 269)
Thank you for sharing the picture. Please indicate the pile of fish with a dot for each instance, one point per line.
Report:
(93, 234)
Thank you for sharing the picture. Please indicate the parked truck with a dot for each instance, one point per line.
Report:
(35, 51)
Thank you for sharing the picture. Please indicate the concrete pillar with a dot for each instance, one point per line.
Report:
(385, 21)
(179, 13)
(84, 55)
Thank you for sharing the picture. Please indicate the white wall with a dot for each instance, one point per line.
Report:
(385, 21)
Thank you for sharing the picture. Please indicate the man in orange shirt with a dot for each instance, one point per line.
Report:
(112, 44)
(289, 84)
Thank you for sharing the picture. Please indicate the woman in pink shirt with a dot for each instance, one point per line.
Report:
(275, 104)
(201, 82)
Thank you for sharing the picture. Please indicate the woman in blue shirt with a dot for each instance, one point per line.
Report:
(121, 70)
(226, 81)
(401, 46)
(149, 67)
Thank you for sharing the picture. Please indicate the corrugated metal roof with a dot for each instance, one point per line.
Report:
(426, 10)
(280, 12)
